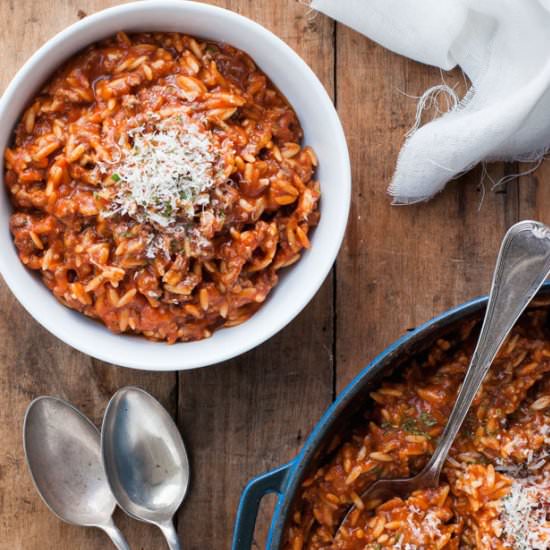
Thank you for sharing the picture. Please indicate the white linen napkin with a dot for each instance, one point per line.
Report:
(503, 46)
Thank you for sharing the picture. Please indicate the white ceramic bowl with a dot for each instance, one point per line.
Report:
(323, 132)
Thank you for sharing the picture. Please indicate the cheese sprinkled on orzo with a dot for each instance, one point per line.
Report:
(167, 173)
(525, 521)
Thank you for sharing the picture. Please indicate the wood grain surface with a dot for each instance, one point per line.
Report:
(398, 267)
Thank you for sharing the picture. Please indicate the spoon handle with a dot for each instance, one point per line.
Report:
(170, 535)
(523, 265)
(115, 535)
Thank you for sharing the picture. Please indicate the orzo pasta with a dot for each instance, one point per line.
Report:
(159, 185)
(495, 488)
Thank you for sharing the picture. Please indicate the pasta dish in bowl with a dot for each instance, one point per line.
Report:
(159, 185)
(173, 172)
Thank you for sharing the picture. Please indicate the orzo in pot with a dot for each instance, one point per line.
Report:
(495, 488)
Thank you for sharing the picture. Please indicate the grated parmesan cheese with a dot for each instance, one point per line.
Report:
(524, 515)
(427, 533)
(167, 175)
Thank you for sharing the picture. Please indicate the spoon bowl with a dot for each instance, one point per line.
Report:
(145, 459)
(62, 449)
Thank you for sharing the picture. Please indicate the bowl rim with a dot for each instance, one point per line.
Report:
(181, 361)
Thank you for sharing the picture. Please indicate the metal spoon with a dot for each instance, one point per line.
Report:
(145, 459)
(523, 265)
(63, 455)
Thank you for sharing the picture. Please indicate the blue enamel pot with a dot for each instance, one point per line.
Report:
(286, 480)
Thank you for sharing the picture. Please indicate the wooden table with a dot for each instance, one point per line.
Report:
(398, 267)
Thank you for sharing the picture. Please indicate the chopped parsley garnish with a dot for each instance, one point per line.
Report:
(212, 49)
(376, 471)
(428, 419)
(410, 425)
(115, 177)
(167, 211)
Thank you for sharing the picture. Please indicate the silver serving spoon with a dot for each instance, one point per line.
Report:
(522, 267)
(145, 459)
(63, 455)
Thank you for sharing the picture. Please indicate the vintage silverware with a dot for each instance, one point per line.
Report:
(62, 449)
(145, 459)
(522, 267)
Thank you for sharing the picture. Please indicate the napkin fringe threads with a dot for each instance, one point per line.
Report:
(501, 45)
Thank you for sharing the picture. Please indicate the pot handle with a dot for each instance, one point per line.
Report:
(256, 489)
